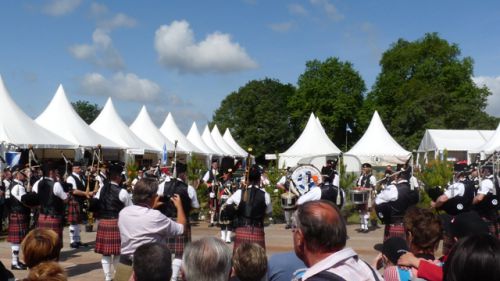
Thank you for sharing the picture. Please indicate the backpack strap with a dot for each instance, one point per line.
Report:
(375, 276)
(324, 276)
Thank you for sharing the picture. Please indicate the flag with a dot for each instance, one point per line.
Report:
(12, 158)
(347, 128)
(164, 156)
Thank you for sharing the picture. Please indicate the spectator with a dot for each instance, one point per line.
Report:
(140, 224)
(47, 271)
(281, 266)
(476, 257)
(319, 239)
(152, 262)
(249, 262)
(5, 274)
(208, 259)
(40, 245)
(391, 250)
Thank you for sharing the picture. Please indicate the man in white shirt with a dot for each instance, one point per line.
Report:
(366, 182)
(486, 201)
(211, 179)
(75, 206)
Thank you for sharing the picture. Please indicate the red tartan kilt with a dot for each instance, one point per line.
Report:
(394, 230)
(177, 243)
(74, 212)
(18, 227)
(51, 222)
(107, 241)
(250, 234)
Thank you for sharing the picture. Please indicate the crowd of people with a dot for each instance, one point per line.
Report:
(144, 232)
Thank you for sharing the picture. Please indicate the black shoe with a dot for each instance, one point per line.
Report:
(18, 266)
(211, 225)
(74, 245)
(288, 226)
(80, 244)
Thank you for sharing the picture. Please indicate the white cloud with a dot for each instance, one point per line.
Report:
(124, 86)
(119, 20)
(60, 7)
(330, 9)
(281, 27)
(177, 48)
(97, 9)
(297, 9)
(493, 83)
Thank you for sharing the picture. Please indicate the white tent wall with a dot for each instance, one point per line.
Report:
(492, 144)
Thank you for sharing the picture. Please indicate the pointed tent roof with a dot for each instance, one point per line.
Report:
(170, 130)
(209, 141)
(319, 124)
(493, 144)
(234, 145)
(109, 123)
(147, 131)
(71, 126)
(221, 142)
(195, 138)
(377, 146)
(19, 129)
(313, 141)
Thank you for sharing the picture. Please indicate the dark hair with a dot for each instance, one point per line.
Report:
(475, 257)
(322, 233)
(152, 262)
(425, 228)
(250, 262)
(254, 174)
(144, 190)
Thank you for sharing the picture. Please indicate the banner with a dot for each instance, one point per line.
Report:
(12, 158)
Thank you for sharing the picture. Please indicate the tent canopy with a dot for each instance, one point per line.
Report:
(61, 118)
(19, 129)
(209, 141)
(147, 131)
(217, 137)
(170, 130)
(377, 146)
(234, 145)
(455, 140)
(493, 143)
(109, 123)
(195, 138)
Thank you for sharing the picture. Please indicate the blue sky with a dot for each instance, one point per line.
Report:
(184, 57)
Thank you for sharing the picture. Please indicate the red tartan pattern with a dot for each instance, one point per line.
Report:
(51, 222)
(74, 212)
(18, 227)
(177, 243)
(107, 241)
(394, 230)
(250, 234)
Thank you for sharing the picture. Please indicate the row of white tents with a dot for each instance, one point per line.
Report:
(59, 127)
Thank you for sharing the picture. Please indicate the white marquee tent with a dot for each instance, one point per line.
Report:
(109, 123)
(147, 131)
(493, 141)
(61, 119)
(17, 128)
(195, 138)
(170, 130)
(217, 137)
(377, 146)
(234, 145)
(209, 141)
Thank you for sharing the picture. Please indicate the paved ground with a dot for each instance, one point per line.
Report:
(84, 264)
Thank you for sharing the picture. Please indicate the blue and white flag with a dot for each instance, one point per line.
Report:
(12, 158)
(164, 156)
(347, 128)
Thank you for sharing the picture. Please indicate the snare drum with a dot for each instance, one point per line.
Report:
(288, 201)
(360, 197)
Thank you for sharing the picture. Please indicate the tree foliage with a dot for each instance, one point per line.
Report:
(426, 84)
(257, 116)
(333, 90)
(87, 111)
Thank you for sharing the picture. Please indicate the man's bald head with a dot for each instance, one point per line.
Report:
(323, 227)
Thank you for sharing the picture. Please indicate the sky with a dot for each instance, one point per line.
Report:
(185, 57)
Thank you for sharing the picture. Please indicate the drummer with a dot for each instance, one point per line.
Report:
(314, 191)
(366, 182)
(284, 184)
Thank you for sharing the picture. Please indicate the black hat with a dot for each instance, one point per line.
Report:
(180, 167)
(466, 224)
(215, 160)
(254, 174)
(393, 248)
(366, 165)
(115, 169)
(77, 163)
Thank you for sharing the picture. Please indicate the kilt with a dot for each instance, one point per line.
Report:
(250, 234)
(394, 230)
(52, 222)
(177, 243)
(74, 212)
(107, 241)
(18, 227)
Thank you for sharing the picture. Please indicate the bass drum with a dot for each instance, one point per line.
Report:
(303, 177)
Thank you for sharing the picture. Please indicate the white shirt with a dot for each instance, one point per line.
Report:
(486, 186)
(282, 180)
(6, 183)
(122, 195)
(236, 199)
(456, 189)
(414, 182)
(18, 190)
(72, 181)
(344, 263)
(388, 194)
(57, 189)
(313, 195)
(372, 179)
(207, 175)
(100, 178)
(191, 193)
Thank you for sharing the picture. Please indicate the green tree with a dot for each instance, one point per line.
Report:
(87, 111)
(257, 116)
(426, 84)
(333, 90)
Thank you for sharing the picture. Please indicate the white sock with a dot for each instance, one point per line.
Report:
(72, 233)
(223, 235)
(176, 266)
(15, 253)
(77, 233)
(288, 218)
(116, 260)
(212, 215)
(362, 221)
(228, 236)
(106, 267)
(367, 218)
